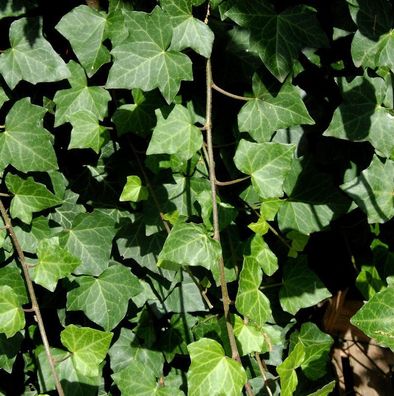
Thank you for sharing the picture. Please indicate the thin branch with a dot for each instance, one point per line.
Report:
(229, 94)
(231, 182)
(263, 370)
(5, 195)
(34, 303)
(271, 285)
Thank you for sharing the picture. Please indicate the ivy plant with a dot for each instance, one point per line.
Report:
(171, 174)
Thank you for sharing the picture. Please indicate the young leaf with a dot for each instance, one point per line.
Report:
(80, 97)
(249, 338)
(144, 60)
(85, 29)
(25, 144)
(286, 370)
(376, 318)
(373, 190)
(324, 390)
(250, 301)
(176, 134)
(188, 244)
(267, 163)
(263, 115)
(88, 347)
(188, 32)
(301, 287)
(12, 317)
(263, 255)
(54, 263)
(104, 299)
(28, 197)
(133, 190)
(90, 239)
(213, 373)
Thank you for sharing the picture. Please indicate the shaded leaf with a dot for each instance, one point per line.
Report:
(31, 57)
(9, 349)
(10, 275)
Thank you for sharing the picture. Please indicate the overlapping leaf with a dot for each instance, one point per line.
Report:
(176, 134)
(213, 373)
(144, 59)
(10, 275)
(263, 255)
(54, 263)
(104, 299)
(31, 57)
(249, 338)
(301, 287)
(29, 197)
(373, 190)
(277, 38)
(188, 31)
(88, 347)
(267, 163)
(189, 244)
(12, 317)
(25, 144)
(9, 349)
(264, 114)
(10, 8)
(90, 239)
(85, 29)
(133, 190)
(376, 317)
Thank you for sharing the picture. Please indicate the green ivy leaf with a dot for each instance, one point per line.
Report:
(88, 347)
(3, 97)
(90, 239)
(249, 338)
(104, 299)
(263, 255)
(368, 281)
(144, 60)
(189, 244)
(176, 134)
(137, 379)
(127, 350)
(376, 318)
(213, 373)
(250, 301)
(28, 197)
(73, 382)
(317, 346)
(265, 114)
(286, 370)
(31, 57)
(80, 97)
(373, 190)
(25, 144)
(10, 275)
(361, 117)
(188, 32)
(324, 390)
(12, 317)
(87, 132)
(267, 164)
(54, 263)
(278, 38)
(9, 8)
(9, 349)
(301, 287)
(133, 190)
(85, 29)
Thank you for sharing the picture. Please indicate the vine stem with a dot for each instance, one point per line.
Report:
(33, 298)
(215, 216)
(229, 94)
